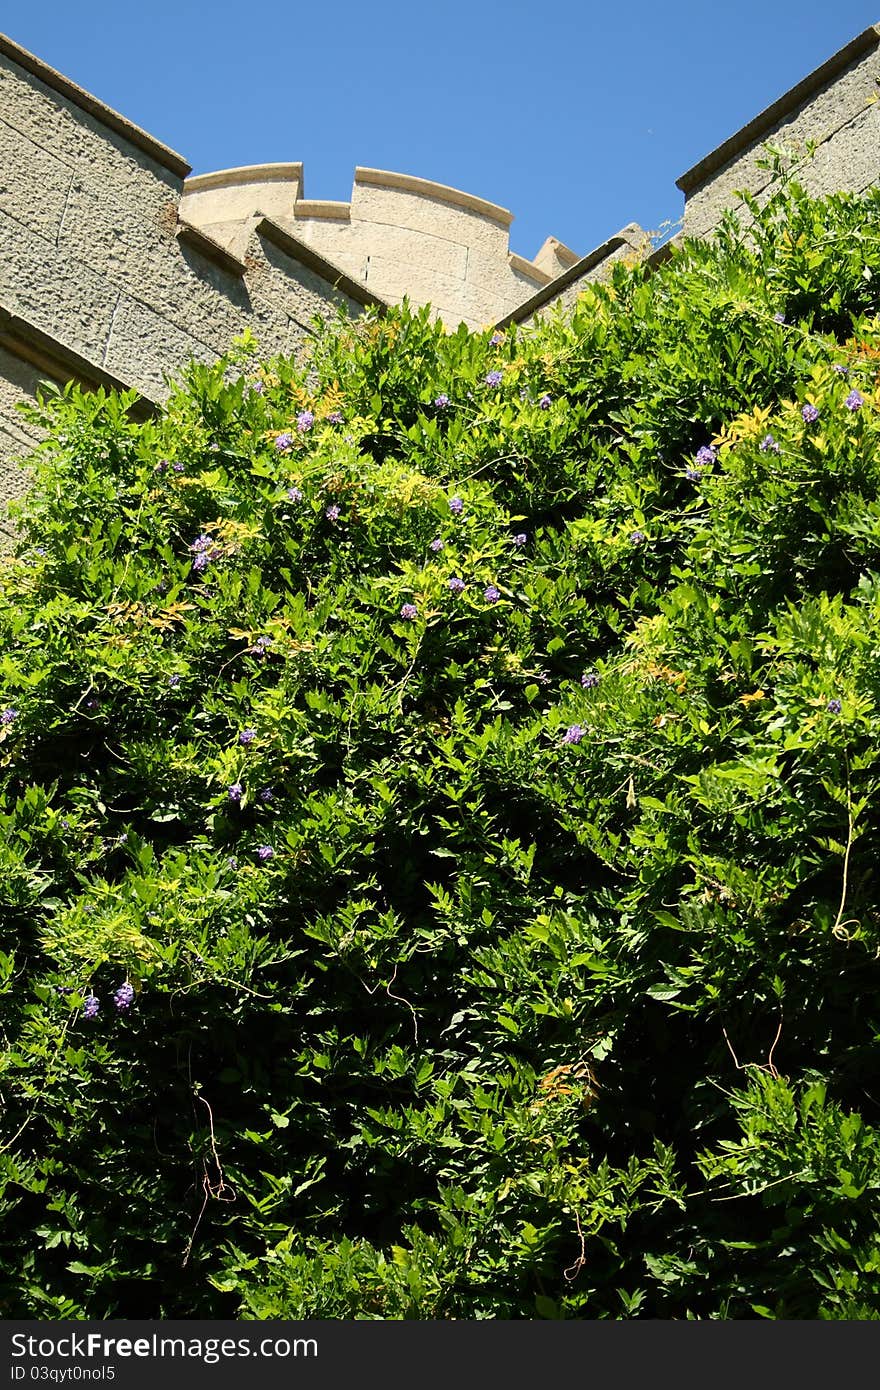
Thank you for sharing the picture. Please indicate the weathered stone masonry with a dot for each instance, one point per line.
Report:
(116, 266)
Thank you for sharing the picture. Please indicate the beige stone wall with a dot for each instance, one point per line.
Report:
(836, 107)
(98, 269)
(398, 236)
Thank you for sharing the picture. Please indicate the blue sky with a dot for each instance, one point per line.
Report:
(578, 117)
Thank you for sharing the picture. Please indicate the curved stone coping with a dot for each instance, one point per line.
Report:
(245, 173)
(438, 192)
(322, 207)
(206, 245)
(773, 114)
(299, 251)
(168, 158)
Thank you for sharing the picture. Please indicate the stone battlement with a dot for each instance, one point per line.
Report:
(117, 265)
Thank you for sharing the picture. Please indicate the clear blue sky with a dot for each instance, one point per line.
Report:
(578, 117)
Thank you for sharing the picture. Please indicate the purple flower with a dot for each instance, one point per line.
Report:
(456, 586)
(304, 421)
(257, 387)
(834, 706)
(769, 445)
(265, 852)
(779, 317)
(589, 679)
(545, 402)
(200, 563)
(491, 594)
(266, 794)
(456, 506)
(441, 401)
(283, 442)
(520, 539)
(162, 466)
(436, 545)
(9, 716)
(236, 792)
(637, 537)
(573, 734)
(232, 862)
(174, 680)
(178, 467)
(705, 456)
(123, 997)
(260, 647)
(496, 339)
(247, 736)
(295, 494)
(409, 611)
(840, 369)
(693, 475)
(494, 378)
(854, 400)
(335, 417)
(91, 1006)
(810, 413)
(332, 513)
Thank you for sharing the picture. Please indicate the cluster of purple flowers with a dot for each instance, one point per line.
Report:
(854, 401)
(284, 442)
(456, 585)
(264, 853)
(545, 402)
(266, 794)
(332, 513)
(779, 317)
(693, 475)
(456, 506)
(436, 545)
(840, 369)
(257, 387)
(705, 456)
(409, 611)
(173, 681)
(177, 467)
(637, 537)
(589, 679)
(496, 339)
(304, 421)
(573, 734)
(236, 792)
(494, 378)
(202, 550)
(834, 706)
(247, 736)
(295, 494)
(260, 647)
(520, 539)
(90, 1006)
(441, 401)
(123, 997)
(9, 716)
(769, 445)
(810, 413)
(491, 594)
(335, 417)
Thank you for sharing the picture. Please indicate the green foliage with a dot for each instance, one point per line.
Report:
(510, 952)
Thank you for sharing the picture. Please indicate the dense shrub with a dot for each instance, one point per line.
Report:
(439, 857)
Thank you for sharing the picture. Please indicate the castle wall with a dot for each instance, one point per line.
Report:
(398, 236)
(97, 268)
(836, 107)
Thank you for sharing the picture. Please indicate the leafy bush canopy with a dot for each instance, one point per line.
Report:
(437, 780)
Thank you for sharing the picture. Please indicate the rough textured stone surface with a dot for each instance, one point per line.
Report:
(841, 118)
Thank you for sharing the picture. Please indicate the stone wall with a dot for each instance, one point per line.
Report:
(836, 107)
(399, 235)
(100, 278)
